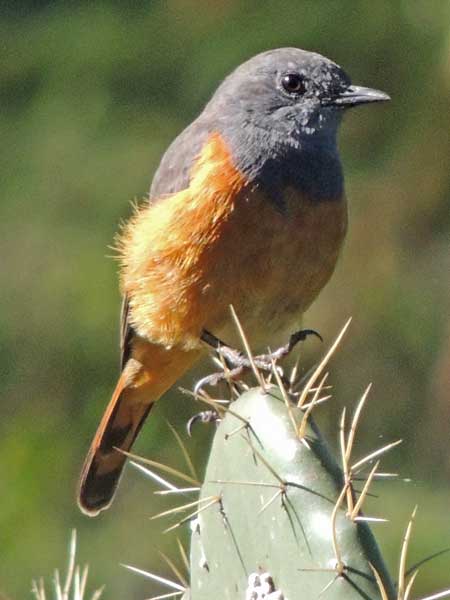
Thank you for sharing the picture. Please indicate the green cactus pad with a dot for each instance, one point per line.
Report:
(269, 534)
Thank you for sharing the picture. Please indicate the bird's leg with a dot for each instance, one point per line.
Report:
(235, 361)
(233, 358)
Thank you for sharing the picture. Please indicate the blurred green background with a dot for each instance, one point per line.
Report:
(91, 94)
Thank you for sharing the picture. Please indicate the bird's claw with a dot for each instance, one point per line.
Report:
(301, 335)
(216, 378)
(205, 416)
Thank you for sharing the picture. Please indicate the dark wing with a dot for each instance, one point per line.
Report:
(174, 170)
(171, 177)
(126, 334)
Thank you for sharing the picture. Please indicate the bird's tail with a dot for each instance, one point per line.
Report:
(147, 375)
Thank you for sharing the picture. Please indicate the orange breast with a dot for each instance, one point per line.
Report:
(188, 256)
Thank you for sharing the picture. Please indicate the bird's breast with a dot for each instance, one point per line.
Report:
(224, 241)
(274, 264)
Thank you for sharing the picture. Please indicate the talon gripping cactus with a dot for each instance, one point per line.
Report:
(275, 523)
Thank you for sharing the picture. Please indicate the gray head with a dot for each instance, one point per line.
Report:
(280, 112)
(292, 90)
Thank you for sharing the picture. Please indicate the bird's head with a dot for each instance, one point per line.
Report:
(289, 92)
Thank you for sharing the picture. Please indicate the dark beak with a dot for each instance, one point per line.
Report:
(356, 94)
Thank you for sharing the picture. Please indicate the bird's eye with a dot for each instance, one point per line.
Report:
(293, 83)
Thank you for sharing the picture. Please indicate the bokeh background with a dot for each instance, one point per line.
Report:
(91, 94)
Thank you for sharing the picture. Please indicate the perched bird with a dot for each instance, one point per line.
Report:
(247, 208)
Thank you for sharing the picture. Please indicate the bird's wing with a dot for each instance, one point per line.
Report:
(174, 171)
(126, 333)
(172, 176)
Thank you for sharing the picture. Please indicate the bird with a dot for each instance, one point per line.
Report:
(247, 208)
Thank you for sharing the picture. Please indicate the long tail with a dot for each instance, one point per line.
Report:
(149, 372)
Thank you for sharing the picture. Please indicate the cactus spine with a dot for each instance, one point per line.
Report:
(278, 524)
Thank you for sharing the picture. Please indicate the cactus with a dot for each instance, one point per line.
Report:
(278, 517)
(278, 523)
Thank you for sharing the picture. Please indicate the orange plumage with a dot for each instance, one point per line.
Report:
(170, 248)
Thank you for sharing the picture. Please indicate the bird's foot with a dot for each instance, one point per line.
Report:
(237, 363)
(205, 416)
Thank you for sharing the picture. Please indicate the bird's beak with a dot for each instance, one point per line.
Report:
(356, 94)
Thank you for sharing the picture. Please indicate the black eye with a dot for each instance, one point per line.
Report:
(293, 83)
